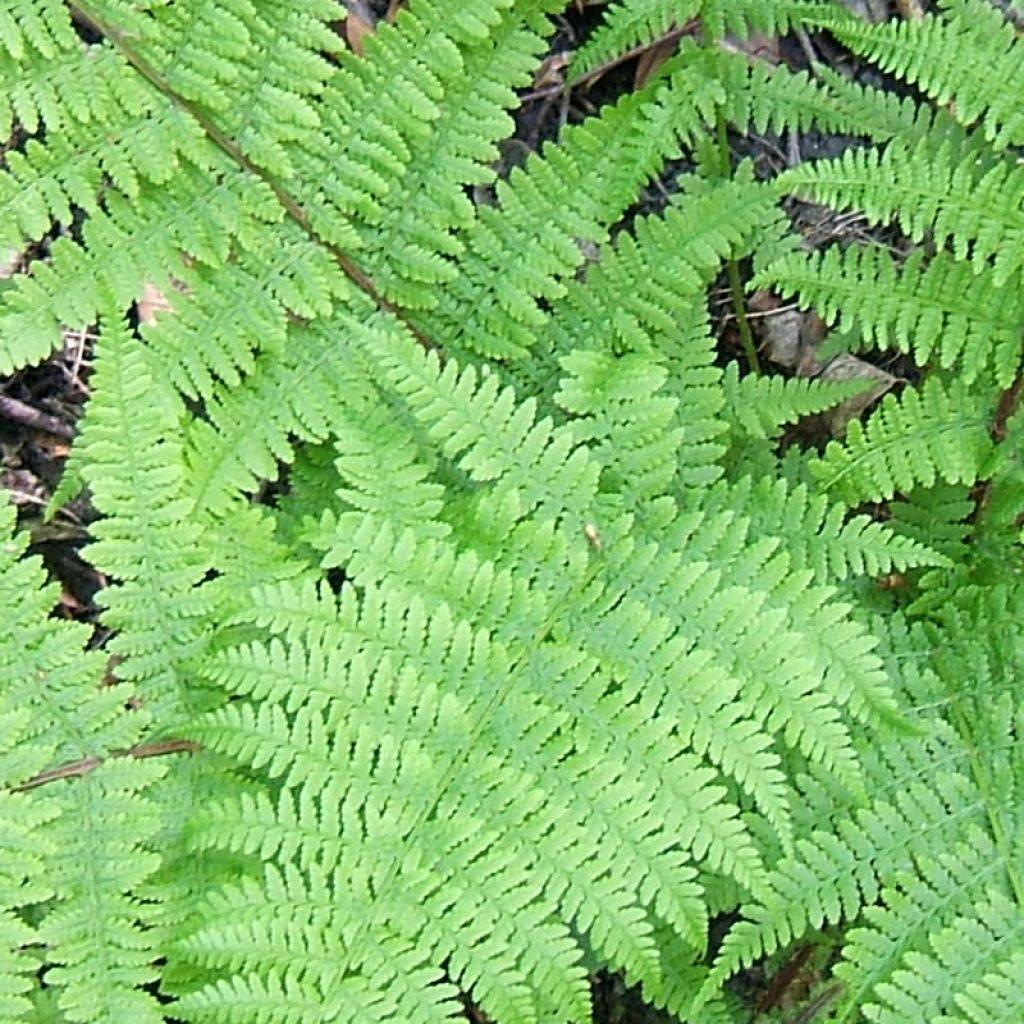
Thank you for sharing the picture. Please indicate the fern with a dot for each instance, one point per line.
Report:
(965, 56)
(939, 312)
(76, 856)
(947, 436)
(470, 628)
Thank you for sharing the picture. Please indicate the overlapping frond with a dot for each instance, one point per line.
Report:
(923, 436)
(821, 536)
(633, 23)
(926, 871)
(759, 407)
(938, 310)
(482, 655)
(626, 25)
(577, 189)
(522, 647)
(646, 296)
(77, 852)
(968, 58)
(955, 193)
(133, 465)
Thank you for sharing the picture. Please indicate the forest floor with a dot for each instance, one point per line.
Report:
(41, 405)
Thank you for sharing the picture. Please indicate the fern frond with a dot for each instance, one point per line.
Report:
(761, 97)
(646, 296)
(294, 394)
(410, 241)
(758, 407)
(495, 671)
(936, 516)
(951, 191)
(627, 24)
(635, 297)
(819, 535)
(882, 114)
(74, 855)
(546, 699)
(508, 266)
(136, 473)
(937, 433)
(939, 931)
(631, 23)
(967, 58)
(939, 310)
(744, 17)
(621, 413)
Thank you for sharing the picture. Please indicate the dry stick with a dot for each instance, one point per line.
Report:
(19, 412)
(76, 769)
(292, 206)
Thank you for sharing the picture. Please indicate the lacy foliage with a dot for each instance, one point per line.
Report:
(539, 652)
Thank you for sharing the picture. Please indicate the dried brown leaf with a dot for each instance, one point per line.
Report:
(151, 302)
(652, 59)
(551, 74)
(359, 23)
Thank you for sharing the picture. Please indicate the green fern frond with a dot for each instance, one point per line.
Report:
(520, 695)
(937, 433)
(941, 310)
(758, 407)
(881, 114)
(913, 810)
(936, 516)
(744, 17)
(950, 191)
(632, 23)
(819, 535)
(761, 97)
(413, 241)
(74, 855)
(509, 266)
(471, 674)
(291, 395)
(645, 287)
(626, 25)
(968, 58)
(135, 470)
(646, 296)
(624, 418)
(945, 940)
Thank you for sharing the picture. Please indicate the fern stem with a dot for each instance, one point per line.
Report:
(739, 305)
(740, 309)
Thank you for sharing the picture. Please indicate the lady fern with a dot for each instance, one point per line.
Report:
(472, 632)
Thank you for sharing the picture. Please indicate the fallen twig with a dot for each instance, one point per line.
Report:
(19, 412)
(84, 765)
